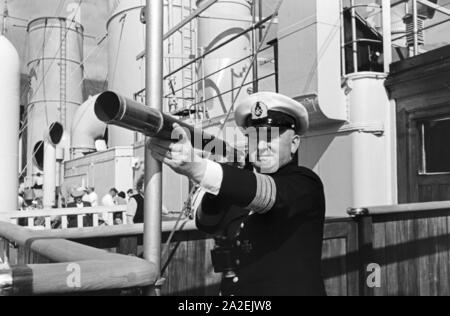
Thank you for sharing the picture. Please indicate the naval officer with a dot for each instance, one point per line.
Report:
(269, 219)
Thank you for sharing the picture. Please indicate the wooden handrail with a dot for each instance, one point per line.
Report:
(113, 231)
(99, 270)
(399, 209)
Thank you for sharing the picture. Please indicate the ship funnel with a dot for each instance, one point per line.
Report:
(55, 59)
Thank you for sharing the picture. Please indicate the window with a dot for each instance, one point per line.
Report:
(435, 139)
(362, 41)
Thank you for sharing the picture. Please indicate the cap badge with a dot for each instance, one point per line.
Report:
(259, 111)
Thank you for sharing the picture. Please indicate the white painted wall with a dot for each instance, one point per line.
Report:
(9, 124)
(352, 140)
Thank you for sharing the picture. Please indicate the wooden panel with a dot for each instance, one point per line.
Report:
(379, 246)
(128, 246)
(420, 92)
(444, 192)
(196, 263)
(424, 84)
(402, 156)
(423, 248)
(177, 271)
(420, 74)
(438, 260)
(391, 259)
(407, 265)
(334, 250)
(340, 259)
(190, 272)
(434, 192)
(212, 279)
(413, 250)
(420, 60)
(365, 252)
(425, 193)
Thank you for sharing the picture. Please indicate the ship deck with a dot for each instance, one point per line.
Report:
(392, 250)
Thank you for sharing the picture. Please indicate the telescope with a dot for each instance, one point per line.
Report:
(117, 110)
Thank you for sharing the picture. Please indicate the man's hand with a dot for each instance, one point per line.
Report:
(179, 155)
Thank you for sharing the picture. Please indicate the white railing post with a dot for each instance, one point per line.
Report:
(51, 214)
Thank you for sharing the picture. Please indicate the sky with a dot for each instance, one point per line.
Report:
(94, 15)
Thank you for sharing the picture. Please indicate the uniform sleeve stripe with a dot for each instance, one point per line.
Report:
(265, 195)
(272, 196)
(266, 198)
(258, 200)
(259, 193)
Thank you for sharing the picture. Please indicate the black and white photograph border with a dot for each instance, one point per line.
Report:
(224, 153)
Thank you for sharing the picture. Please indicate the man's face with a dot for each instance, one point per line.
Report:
(78, 200)
(271, 148)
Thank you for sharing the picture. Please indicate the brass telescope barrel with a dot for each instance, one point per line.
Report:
(117, 110)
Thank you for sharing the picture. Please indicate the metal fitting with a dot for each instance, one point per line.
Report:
(357, 212)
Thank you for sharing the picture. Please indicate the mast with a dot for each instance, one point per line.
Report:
(153, 168)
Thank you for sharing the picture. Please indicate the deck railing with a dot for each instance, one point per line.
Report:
(74, 268)
(386, 250)
(43, 219)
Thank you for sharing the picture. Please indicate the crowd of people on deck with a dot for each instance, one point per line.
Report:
(86, 197)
